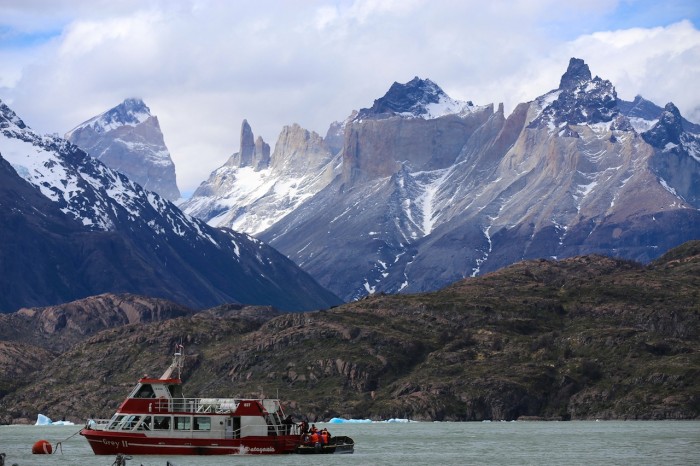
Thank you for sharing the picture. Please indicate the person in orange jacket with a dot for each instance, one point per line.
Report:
(325, 436)
(315, 437)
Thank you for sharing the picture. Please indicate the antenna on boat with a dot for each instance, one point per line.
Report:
(176, 364)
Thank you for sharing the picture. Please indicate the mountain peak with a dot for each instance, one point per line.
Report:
(576, 74)
(130, 112)
(668, 129)
(579, 100)
(416, 98)
(254, 152)
(9, 118)
(128, 138)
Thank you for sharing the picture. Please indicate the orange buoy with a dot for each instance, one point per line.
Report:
(42, 447)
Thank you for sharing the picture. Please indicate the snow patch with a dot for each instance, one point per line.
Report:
(667, 187)
(641, 125)
(426, 202)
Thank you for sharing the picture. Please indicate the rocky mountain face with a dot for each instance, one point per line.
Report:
(424, 198)
(18, 364)
(56, 328)
(254, 189)
(74, 228)
(588, 337)
(128, 139)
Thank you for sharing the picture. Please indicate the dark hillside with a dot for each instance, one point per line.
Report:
(582, 338)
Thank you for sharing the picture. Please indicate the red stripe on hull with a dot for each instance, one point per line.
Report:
(112, 443)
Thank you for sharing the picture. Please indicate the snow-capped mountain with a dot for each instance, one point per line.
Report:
(251, 192)
(253, 189)
(133, 240)
(418, 98)
(127, 138)
(420, 203)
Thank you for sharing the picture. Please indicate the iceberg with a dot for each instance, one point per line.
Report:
(340, 420)
(62, 423)
(42, 420)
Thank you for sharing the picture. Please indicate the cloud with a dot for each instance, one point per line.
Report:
(203, 66)
(661, 63)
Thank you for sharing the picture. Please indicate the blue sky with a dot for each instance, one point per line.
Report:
(203, 66)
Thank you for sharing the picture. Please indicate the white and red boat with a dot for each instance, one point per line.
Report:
(155, 419)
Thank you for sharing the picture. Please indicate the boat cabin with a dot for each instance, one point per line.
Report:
(158, 406)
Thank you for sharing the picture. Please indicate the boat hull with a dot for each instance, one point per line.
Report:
(338, 445)
(112, 443)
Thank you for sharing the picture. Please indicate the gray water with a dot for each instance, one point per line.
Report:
(442, 444)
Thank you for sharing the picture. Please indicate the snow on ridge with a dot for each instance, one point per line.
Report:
(448, 106)
(40, 160)
(158, 157)
(103, 125)
(485, 254)
(426, 200)
(252, 200)
(38, 166)
(693, 149)
(544, 101)
(601, 128)
(445, 106)
(122, 115)
(667, 187)
(641, 125)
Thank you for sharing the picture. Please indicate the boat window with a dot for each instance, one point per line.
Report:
(146, 391)
(130, 422)
(182, 422)
(145, 424)
(161, 422)
(114, 423)
(201, 423)
(175, 391)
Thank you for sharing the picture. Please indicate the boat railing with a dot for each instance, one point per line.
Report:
(97, 424)
(196, 405)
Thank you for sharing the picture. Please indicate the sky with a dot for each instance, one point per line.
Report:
(202, 66)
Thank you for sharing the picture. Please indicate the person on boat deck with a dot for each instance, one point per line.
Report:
(288, 423)
(304, 427)
(325, 436)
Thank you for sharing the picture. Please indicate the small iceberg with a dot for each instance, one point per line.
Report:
(340, 420)
(42, 420)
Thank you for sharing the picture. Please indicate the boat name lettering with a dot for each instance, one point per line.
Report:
(261, 449)
(115, 443)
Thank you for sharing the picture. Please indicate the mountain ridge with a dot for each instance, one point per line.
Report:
(419, 190)
(249, 193)
(564, 174)
(97, 231)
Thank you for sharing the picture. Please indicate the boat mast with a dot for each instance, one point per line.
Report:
(176, 364)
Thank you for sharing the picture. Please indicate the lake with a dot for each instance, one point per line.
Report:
(439, 443)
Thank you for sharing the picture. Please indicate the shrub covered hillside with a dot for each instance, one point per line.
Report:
(582, 338)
